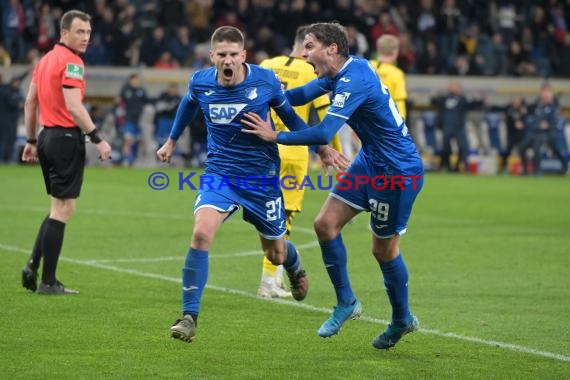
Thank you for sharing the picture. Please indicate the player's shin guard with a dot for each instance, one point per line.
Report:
(335, 259)
(396, 282)
(194, 278)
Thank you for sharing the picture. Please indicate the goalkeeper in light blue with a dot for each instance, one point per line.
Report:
(360, 100)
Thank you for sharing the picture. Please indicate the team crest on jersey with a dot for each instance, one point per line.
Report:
(74, 71)
(340, 99)
(224, 113)
(251, 93)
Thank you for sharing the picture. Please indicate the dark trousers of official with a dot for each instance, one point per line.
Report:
(513, 140)
(461, 138)
(550, 140)
(7, 141)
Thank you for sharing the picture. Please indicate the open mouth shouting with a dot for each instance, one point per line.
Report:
(227, 74)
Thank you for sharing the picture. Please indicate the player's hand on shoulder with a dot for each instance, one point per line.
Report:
(257, 126)
(330, 157)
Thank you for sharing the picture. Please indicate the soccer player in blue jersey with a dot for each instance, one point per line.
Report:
(223, 93)
(361, 101)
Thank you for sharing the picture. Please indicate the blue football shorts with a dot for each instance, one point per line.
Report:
(261, 207)
(389, 198)
(131, 130)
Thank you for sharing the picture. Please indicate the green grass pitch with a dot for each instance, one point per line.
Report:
(489, 280)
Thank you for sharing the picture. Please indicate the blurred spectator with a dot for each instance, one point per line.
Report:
(201, 57)
(426, 20)
(545, 131)
(357, 43)
(13, 24)
(453, 107)
(153, 46)
(172, 14)
(105, 26)
(229, 18)
(562, 66)
(123, 42)
(166, 62)
(199, 13)
(97, 54)
(449, 27)
(507, 21)
(430, 61)
(11, 106)
(464, 66)
(519, 62)
(134, 98)
(384, 25)
(516, 119)
(166, 106)
(182, 46)
(539, 27)
(497, 61)
(47, 29)
(407, 55)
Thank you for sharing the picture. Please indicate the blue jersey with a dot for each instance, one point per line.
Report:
(360, 100)
(231, 152)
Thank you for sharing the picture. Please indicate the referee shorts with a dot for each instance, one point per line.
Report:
(61, 152)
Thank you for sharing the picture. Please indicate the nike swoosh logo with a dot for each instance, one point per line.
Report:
(209, 92)
(190, 288)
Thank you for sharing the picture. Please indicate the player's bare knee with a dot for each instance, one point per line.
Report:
(386, 250)
(202, 238)
(324, 229)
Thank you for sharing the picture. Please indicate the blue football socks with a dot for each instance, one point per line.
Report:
(335, 259)
(396, 283)
(292, 261)
(194, 278)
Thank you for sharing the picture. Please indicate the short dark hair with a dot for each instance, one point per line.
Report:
(71, 15)
(228, 34)
(328, 33)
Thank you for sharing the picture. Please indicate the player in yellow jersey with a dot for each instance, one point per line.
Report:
(293, 72)
(388, 47)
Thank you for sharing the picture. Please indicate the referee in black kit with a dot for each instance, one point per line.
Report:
(57, 90)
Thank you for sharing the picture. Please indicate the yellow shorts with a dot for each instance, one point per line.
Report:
(295, 163)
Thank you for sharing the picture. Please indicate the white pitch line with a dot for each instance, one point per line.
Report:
(503, 345)
(181, 258)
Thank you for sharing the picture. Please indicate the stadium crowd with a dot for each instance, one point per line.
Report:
(508, 38)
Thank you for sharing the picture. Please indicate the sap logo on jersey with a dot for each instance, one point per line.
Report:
(224, 113)
(340, 99)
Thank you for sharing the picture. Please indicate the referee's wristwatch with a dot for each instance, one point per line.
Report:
(32, 141)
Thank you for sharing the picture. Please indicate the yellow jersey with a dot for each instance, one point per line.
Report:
(295, 72)
(394, 79)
